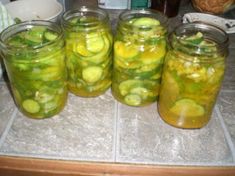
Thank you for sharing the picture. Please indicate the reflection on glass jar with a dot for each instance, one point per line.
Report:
(88, 50)
(139, 51)
(192, 75)
(34, 57)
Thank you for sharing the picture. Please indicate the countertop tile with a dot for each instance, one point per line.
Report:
(227, 109)
(145, 138)
(7, 106)
(84, 131)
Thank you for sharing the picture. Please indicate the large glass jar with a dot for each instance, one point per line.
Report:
(88, 50)
(139, 51)
(192, 75)
(34, 57)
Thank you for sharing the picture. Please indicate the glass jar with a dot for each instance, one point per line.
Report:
(34, 57)
(192, 75)
(88, 50)
(139, 51)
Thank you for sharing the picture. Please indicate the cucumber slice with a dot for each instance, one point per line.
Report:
(50, 36)
(187, 108)
(125, 51)
(92, 74)
(35, 34)
(132, 99)
(81, 49)
(208, 46)
(141, 91)
(104, 54)
(146, 21)
(31, 106)
(155, 56)
(74, 20)
(43, 97)
(127, 85)
(86, 54)
(94, 43)
(195, 39)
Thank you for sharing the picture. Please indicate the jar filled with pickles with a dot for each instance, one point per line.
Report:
(192, 75)
(34, 56)
(139, 51)
(88, 50)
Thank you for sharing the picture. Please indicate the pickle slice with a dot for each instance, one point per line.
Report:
(35, 34)
(146, 21)
(125, 51)
(50, 36)
(127, 85)
(31, 106)
(94, 43)
(92, 74)
(133, 99)
(195, 39)
(187, 108)
(81, 49)
(141, 91)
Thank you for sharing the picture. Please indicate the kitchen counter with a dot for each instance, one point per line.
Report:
(94, 136)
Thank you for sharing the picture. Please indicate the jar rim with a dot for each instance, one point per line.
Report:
(103, 15)
(15, 28)
(211, 32)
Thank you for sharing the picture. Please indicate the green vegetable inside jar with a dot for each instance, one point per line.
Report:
(88, 50)
(139, 51)
(34, 57)
(192, 75)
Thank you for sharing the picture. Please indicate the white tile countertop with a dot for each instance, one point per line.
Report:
(103, 130)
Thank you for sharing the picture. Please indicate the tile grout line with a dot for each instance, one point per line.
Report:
(116, 131)
(8, 126)
(226, 133)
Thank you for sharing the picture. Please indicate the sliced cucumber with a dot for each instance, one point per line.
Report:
(141, 91)
(133, 99)
(50, 36)
(74, 20)
(81, 49)
(146, 21)
(187, 108)
(32, 40)
(35, 34)
(92, 74)
(50, 106)
(103, 55)
(195, 39)
(43, 97)
(94, 43)
(208, 46)
(96, 58)
(126, 51)
(156, 56)
(31, 106)
(126, 86)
